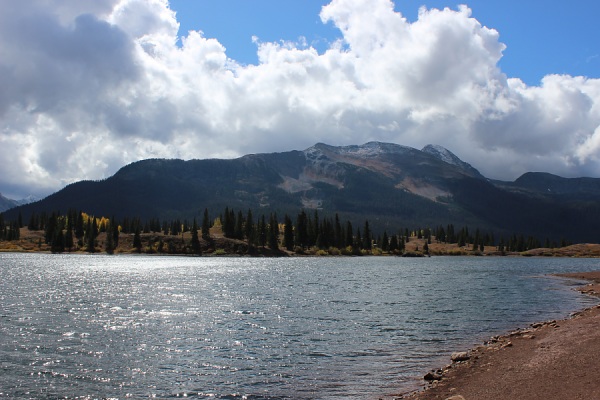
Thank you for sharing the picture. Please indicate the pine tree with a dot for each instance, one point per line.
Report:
(450, 236)
(385, 244)
(358, 241)
(239, 226)
(288, 233)
(58, 239)
(79, 232)
(29, 224)
(226, 223)
(440, 235)
(195, 243)
(367, 239)
(3, 231)
(262, 232)
(393, 244)
(175, 227)
(477, 240)
(90, 236)
(338, 234)
(302, 230)
(206, 225)
(462, 238)
(109, 246)
(320, 242)
(6, 232)
(115, 232)
(137, 240)
(69, 238)
(249, 227)
(17, 234)
(349, 240)
(273, 233)
(326, 233)
(313, 229)
(50, 230)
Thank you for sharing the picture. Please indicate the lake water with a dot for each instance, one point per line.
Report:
(96, 326)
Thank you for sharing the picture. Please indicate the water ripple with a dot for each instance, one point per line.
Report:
(116, 327)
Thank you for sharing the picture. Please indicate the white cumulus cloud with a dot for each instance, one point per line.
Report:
(88, 86)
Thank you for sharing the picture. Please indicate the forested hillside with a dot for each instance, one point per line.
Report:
(389, 185)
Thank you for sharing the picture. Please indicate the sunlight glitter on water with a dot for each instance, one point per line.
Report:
(138, 326)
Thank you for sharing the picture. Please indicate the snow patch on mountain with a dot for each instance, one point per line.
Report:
(449, 157)
(367, 150)
(443, 154)
(374, 149)
(27, 200)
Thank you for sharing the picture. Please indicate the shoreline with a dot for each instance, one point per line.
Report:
(547, 360)
(219, 246)
(592, 251)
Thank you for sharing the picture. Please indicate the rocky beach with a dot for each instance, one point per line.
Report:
(547, 360)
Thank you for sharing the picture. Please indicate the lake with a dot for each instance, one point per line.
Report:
(98, 326)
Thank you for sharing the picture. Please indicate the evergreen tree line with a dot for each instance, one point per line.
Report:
(61, 230)
(306, 231)
(9, 230)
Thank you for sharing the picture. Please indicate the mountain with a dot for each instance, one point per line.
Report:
(6, 203)
(27, 200)
(548, 185)
(392, 186)
(450, 158)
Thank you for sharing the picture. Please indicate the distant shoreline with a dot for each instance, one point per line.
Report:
(219, 246)
(585, 250)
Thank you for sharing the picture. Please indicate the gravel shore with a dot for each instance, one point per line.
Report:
(548, 360)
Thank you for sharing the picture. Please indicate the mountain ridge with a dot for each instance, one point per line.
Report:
(7, 204)
(447, 156)
(391, 185)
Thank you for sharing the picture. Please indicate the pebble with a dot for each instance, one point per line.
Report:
(433, 376)
(460, 356)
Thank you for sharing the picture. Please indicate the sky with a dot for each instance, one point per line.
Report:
(87, 87)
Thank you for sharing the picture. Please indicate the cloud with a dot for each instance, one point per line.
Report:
(92, 85)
